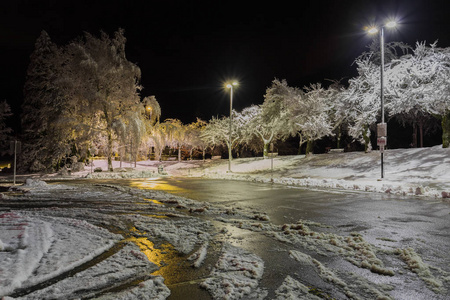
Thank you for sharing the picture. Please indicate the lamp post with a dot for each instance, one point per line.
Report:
(382, 127)
(230, 86)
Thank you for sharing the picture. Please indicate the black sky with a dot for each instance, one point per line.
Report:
(187, 49)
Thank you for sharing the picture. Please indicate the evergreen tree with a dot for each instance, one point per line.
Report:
(43, 107)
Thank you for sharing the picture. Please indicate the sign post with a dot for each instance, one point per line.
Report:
(381, 142)
(271, 162)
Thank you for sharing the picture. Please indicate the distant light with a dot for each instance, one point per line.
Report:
(372, 30)
(391, 24)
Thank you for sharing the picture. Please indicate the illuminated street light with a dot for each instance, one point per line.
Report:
(391, 24)
(382, 127)
(372, 30)
(230, 86)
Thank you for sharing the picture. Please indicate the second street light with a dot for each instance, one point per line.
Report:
(230, 141)
(382, 127)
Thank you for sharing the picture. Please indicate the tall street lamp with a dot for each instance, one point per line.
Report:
(382, 127)
(230, 86)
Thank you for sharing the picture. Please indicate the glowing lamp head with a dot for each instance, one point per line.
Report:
(230, 85)
(372, 30)
(391, 24)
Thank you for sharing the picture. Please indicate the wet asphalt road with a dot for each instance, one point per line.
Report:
(384, 220)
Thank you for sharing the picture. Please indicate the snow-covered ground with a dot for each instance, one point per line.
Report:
(416, 171)
(110, 242)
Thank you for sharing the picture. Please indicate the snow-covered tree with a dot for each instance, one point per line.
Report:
(336, 114)
(310, 115)
(291, 111)
(177, 135)
(169, 133)
(359, 104)
(277, 108)
(217, 132)
(193, 137)
(266, 125)
(46, 131)
(76, 93)
(152, 109)
(392, 51)
(419, 84)
(130, 132)
(159, 136)
(101, 79)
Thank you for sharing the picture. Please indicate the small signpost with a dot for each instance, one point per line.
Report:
(271, 162)
(381, 142)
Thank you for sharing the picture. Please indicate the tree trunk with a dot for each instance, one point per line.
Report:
(109, 135)
(300, 144)
(179, 153)
(366, 138)
(421, 133)
(414, 135)
(309, 147)
(266, 150)
(160, 154)
(338, 138)
(109, 151)
(446, 130)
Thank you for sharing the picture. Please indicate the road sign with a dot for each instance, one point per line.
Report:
(382, 141)
(381, 129)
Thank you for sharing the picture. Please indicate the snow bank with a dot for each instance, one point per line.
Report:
(26, 241)
(126, 265)
(292, 289)
(34, 183)
(236, 275)
(349, 288)
(183, 233)
(418, 171)
(37, 248)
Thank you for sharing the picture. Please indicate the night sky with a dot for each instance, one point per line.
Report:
(187, 49)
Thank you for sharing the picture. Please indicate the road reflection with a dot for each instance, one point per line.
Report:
(169, 261)
(156, 184)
